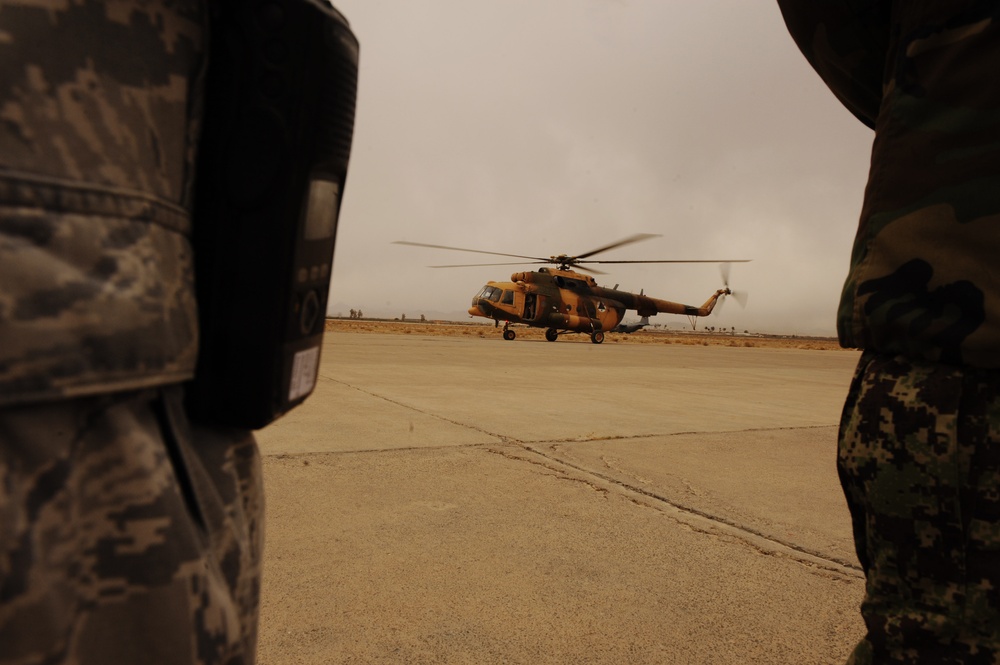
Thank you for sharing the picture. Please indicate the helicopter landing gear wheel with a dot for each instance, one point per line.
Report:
(597, 337)
(509, 335)
(551, 334)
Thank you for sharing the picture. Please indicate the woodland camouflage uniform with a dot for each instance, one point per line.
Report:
(127, 533)
(919, 452)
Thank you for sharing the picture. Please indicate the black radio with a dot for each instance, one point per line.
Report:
(276, 139)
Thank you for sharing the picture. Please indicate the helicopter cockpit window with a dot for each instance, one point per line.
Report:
(495, 295)
(485, 293)
(508, 298)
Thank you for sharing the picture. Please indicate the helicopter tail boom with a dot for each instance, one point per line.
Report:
(646, 306)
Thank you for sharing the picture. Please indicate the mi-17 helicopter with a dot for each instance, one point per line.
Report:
(562, 300)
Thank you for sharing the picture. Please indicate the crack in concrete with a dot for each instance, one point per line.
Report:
(555, 471)
(758, 539)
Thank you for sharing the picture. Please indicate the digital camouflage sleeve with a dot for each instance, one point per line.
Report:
(920, 282)
(96, 151)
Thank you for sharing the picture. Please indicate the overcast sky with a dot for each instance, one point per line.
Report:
(542, 127)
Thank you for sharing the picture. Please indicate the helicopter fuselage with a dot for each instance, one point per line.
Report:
(566, 301)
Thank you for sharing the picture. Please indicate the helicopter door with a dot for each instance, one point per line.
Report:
(530, 306)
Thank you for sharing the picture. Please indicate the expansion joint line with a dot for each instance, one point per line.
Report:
(502, 438)
(753, 537)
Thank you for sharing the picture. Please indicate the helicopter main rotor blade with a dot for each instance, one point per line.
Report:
(516, 263)
(563, 260)
(678, 261)
(626, 241)
(474, 265)
(462, 249)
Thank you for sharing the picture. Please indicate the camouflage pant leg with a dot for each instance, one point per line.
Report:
(919, 461)
(126, 536)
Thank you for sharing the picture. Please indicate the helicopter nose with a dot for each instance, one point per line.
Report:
(482, 307)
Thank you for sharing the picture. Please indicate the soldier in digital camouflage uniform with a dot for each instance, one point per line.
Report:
(919, 452)
(127, 533)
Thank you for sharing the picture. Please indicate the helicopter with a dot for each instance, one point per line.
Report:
(564, 301)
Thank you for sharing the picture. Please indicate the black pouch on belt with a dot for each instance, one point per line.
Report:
(279, 119)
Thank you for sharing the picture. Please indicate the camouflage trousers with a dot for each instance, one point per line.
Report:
(127, 535)
(919, 461)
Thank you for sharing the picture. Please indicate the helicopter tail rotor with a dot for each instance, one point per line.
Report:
(739, 296)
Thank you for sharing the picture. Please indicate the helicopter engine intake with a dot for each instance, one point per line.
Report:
(525, 277)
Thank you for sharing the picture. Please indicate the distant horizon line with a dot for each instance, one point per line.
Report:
(446, 317)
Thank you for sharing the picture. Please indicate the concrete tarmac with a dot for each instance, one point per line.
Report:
(465, 500)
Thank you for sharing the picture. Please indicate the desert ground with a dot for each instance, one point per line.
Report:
(446, 496)
(646, 336)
